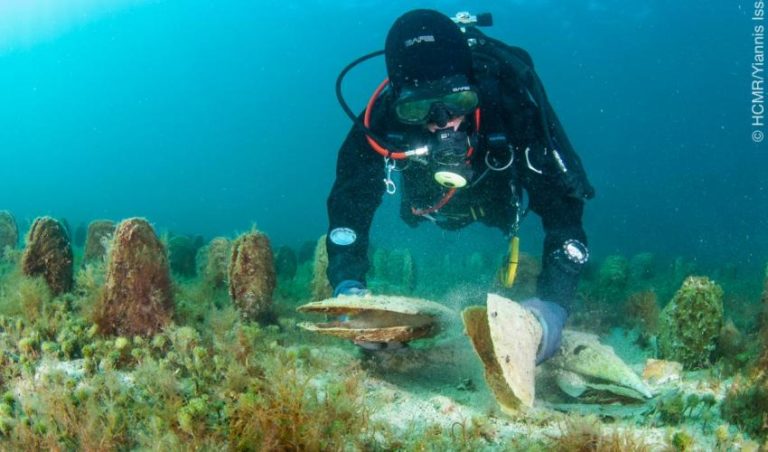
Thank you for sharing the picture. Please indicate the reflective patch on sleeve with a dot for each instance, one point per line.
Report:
(343, 236)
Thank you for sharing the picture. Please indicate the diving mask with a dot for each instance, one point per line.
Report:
(451, 97)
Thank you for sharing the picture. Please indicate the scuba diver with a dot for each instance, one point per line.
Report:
(465, 121)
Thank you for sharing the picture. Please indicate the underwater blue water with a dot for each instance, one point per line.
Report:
(208, 117)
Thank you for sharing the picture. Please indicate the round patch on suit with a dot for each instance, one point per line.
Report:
(343, 236)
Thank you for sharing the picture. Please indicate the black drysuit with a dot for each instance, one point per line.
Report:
(511, 126)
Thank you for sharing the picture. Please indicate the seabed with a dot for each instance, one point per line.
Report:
(211, 380)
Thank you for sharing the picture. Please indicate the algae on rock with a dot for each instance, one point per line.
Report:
(97, 240)
(48, 254)
(213, 261)
(393, 271)
(746, 403)
(137, 297)
(9, 232)
(690, 324)
(321, 288)
(252, 277)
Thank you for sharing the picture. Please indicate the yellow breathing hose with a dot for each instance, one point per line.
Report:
(509, 271)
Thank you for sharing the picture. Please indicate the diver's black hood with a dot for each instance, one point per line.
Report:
(424, 45)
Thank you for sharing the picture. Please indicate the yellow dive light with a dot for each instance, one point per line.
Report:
(509, 270)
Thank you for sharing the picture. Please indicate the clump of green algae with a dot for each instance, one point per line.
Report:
(690, 323)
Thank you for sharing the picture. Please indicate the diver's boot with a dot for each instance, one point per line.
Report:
(506, 336)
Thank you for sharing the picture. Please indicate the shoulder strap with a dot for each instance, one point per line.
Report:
(514, 65)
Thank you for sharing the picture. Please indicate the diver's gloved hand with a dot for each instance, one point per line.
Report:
(552, 317)
(350, 287)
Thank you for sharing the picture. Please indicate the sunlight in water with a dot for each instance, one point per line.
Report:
(25, 23)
